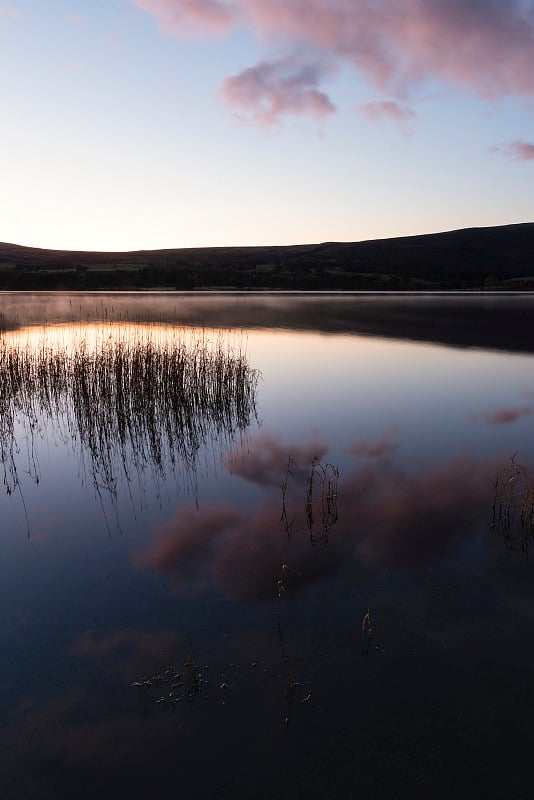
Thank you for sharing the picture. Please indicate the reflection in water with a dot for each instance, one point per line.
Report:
(513, 507)
(367, 633)
(385, 516)
(287, 659)
(386, 519)
(404, 642)
(183, 686)
(501, 322)
(327, 476)
(322, 505)
(134, 402)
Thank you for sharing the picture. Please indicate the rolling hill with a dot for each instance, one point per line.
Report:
(474, 258)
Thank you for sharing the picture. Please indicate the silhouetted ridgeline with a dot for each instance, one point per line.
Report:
(475, 258)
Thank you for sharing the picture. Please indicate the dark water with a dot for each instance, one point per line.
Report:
(290, 561)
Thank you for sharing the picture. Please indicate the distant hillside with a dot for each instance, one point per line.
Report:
(474, 258)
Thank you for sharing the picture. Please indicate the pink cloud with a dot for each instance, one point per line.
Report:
(9, 11)
(517, 151)
(188, 17)
(376, 112)
(484, 46)
(263, 94)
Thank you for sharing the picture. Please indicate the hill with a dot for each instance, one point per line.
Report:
(474, 258)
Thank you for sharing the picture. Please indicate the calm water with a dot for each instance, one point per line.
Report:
(266, 546)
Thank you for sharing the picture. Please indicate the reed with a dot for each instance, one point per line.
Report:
(320, 499)
(366, 633)
(183, 686)
(289, 524)
(133, 401)
(513, 507)
(327, 476)
(287, 660)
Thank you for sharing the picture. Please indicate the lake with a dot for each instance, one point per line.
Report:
(266, 546)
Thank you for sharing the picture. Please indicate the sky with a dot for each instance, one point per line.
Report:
(146, 124)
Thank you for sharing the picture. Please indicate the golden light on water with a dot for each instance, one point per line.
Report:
(94, 336)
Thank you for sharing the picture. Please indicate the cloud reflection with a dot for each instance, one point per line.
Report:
(266, 461)
(367, 449)
(387, 517)
(411, 519)
(503, 416)
(128, 649)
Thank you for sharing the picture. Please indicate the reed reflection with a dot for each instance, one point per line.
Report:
(134, 402)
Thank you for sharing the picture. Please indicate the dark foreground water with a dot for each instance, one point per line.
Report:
(266, 546)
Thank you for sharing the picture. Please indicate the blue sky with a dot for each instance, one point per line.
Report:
(132, 124)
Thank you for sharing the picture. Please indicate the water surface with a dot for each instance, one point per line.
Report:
(259, 546)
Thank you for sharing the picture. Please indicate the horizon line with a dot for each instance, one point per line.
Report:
(268, 246)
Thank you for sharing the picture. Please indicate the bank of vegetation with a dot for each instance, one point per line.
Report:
(498, 258)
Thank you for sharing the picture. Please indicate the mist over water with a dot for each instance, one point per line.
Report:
(266, 545)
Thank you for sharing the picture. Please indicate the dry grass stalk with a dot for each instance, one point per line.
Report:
(133, 402)
(289, 525)
(513, 507)
(327, 475)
